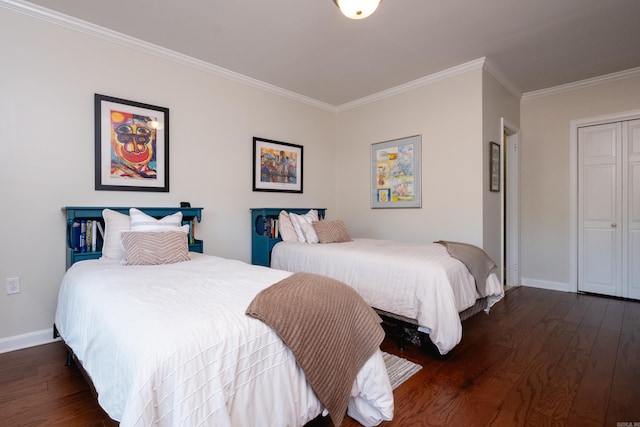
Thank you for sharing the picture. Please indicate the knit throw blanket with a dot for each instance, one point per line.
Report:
(477, 261)
(329, 328)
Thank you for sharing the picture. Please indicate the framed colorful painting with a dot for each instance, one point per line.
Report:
(131, 145)
(277, 166)
(395, 173)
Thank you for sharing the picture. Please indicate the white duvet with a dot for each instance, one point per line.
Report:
(416, 280)
(170, 345)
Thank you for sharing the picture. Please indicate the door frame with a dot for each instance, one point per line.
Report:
(510, 243)
(573, 182)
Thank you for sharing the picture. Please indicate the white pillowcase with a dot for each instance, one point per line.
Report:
(114, 224)
(302, 224)
(287, 232)
(140, 221)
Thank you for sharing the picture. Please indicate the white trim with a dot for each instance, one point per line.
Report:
(546, 284)
(513, 199)
(573, 182)
(30, 339)
(581, 84)
(133, 43)
(502, 79)
(432, 78)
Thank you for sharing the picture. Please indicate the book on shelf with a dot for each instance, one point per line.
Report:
(89, 235)
(270, 228)
(83, 235)
(100, 230)
(74, 241)
(94, 235)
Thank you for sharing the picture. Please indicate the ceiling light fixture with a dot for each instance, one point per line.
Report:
(357, 9)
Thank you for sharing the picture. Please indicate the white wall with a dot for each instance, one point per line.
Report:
(48, 78)
(497, 103)
(447, 113)
(544, 171)
(49, 74)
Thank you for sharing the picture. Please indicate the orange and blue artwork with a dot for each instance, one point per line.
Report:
(278, 166)
(133, 146)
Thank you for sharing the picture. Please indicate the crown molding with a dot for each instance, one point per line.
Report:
(134, 43)
(504, 81)
(581, 84)
(423, 81)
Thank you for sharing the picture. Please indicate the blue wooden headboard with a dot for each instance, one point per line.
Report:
(94, 213)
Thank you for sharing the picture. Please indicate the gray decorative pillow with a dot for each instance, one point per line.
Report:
(331, 231)
(154, 247)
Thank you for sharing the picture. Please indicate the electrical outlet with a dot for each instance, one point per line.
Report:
(13, 285)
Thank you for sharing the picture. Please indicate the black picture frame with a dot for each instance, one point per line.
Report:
(131, 145)
(277, 166)
(494, 166)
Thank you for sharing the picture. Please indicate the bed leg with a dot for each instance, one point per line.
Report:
(69, 359)
(401, 342)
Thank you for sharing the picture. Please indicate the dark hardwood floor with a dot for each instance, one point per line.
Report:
(540, 358)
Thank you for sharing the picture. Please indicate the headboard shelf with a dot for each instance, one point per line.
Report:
(262, 241)
(94, 214)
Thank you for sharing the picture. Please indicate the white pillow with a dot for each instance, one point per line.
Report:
(114, 224)
(302, 224)
(140, 221)
(287, 232)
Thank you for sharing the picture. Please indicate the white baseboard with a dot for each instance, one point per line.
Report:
(30, 339)
(545, 284)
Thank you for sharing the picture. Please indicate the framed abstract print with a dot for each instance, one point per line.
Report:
(131, 145)
(277, 166)
(395, 173)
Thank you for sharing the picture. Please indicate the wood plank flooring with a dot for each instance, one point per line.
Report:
(539, 358)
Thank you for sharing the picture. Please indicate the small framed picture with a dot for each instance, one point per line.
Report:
(277, 166)
(494, 166)
(131, 145)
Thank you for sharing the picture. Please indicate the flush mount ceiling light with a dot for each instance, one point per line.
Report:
(357, 9)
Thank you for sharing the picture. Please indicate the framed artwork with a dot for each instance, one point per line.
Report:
(277, 166)
(494, 166)
(395, 173)
(131, 145)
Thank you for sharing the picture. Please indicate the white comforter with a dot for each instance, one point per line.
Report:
(416, 280)
(171, 345)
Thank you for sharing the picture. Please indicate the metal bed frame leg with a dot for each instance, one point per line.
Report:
(69, 358)
(56, 334)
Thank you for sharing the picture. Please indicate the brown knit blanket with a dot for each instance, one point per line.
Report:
(329, 328)
(477, 261)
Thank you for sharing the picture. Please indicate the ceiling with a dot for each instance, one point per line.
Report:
(308, 47)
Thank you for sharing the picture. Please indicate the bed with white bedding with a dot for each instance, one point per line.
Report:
(171, 345)
(416, 282)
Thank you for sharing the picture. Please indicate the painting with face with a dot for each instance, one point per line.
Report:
(133, 146)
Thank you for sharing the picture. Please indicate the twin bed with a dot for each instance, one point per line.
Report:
(170, 337)
(420, 284)
(172, 344)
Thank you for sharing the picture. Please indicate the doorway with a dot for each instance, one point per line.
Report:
(510, 205)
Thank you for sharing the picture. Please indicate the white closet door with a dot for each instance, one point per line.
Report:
(599, 195)
(631, 142)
